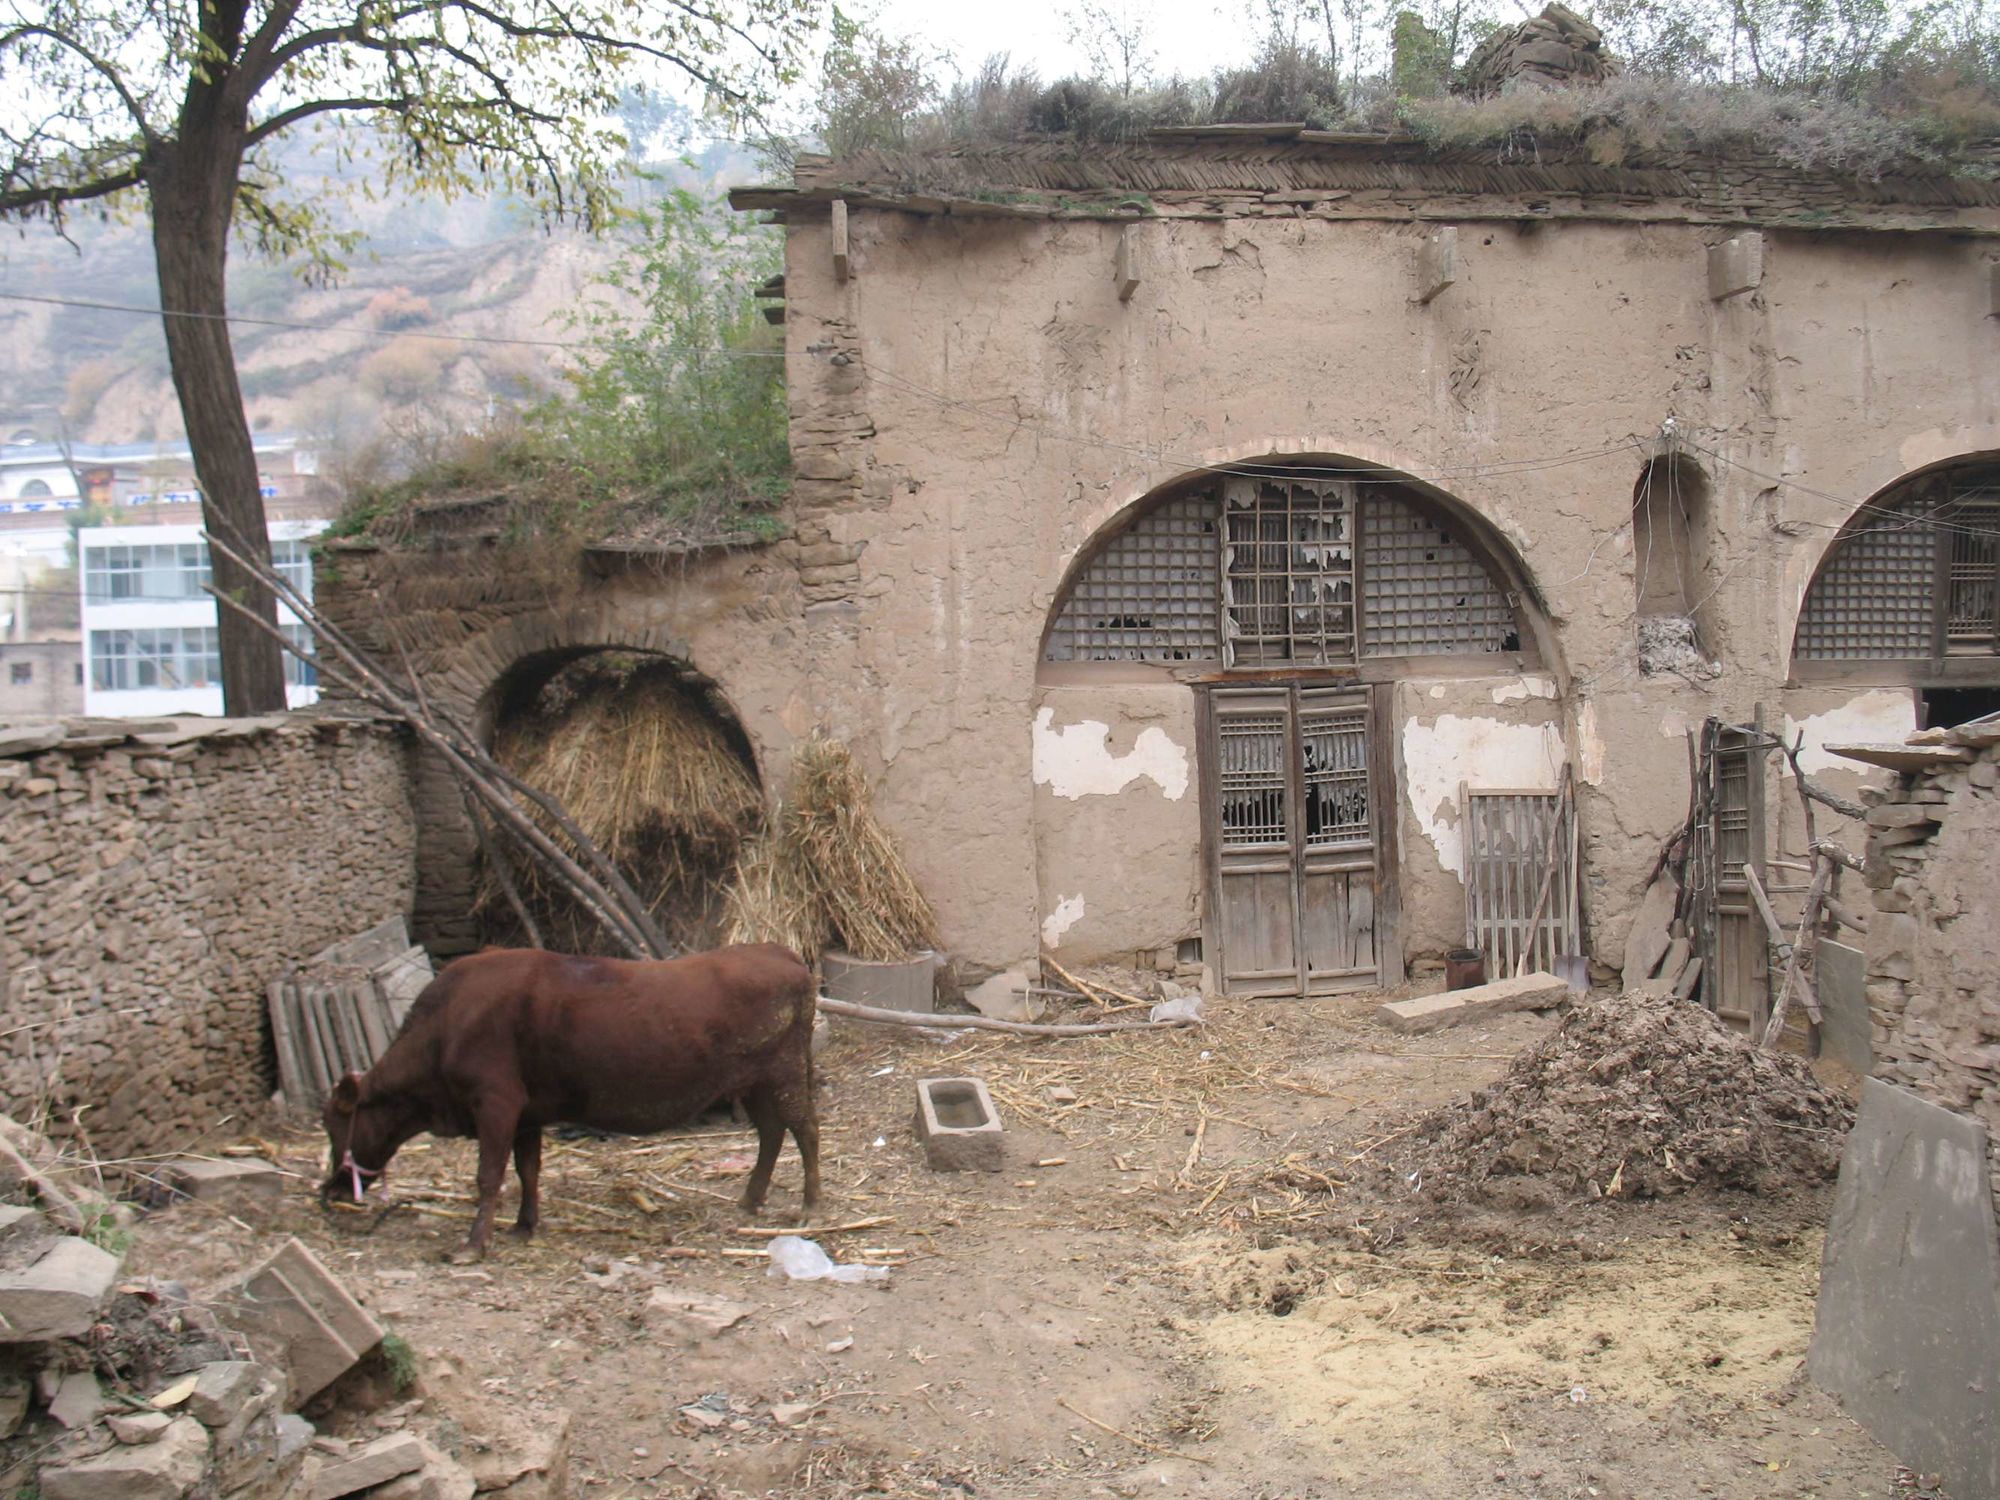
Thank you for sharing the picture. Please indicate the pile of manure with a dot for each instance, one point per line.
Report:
(1636, 1095)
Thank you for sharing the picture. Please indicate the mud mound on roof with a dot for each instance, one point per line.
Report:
(1642, 1096)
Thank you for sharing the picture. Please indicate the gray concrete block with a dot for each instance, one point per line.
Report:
(1457, 1007)
(958, 1125)
(302, 1319)
(162, 1470)
(1909, 1303)
(57, 1297)
(910, 984)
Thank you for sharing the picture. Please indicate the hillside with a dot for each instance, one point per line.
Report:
(476, 269)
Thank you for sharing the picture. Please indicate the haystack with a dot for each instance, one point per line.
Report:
(829, 871)
(644, 767)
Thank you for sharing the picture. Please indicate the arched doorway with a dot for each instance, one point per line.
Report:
(1289, 596)
(650, 761)
(1908, 594)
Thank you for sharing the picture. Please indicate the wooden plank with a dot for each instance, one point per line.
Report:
(1125, 265)
(364, 1006)
(306, 1025)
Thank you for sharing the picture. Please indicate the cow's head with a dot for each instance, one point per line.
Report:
(359, 1143)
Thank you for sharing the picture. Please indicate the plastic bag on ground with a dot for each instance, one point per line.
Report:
(1180, 1008)
(803, 1260)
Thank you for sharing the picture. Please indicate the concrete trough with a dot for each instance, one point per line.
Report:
(958, 1125)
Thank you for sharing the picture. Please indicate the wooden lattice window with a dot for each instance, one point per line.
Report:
(1150, 595)
(1288, 570)
(1424, 593)
(1251, 778)
(1913, 579)
(1333, 744)
(1283, 570)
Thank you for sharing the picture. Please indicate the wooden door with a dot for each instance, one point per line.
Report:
(1291, 812)
(1741, 994)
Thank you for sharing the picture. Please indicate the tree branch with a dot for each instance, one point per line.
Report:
(104, 69)
(23, 200)
(284, 119)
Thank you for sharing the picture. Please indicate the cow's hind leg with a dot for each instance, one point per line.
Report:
(762, 1102)
(528, 1167)
(804, 1125)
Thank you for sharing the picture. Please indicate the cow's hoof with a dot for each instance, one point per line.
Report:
(523, 1231)
(464, 1255)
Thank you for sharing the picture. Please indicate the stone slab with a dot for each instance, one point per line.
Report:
(232, 1176)
(379, 1462)
(909, 985)
(162, 1470)
(1841, 976)
(1457, 1007)
(58, 1296)
(958, 1126)
(388, 939)
(1909, 1304)
(1005, 997)
(696, 1313)
(295, 1307)
(1736, 265)
(78, 1400)
(1903, 757)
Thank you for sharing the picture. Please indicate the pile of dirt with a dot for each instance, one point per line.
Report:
(1636, 1096)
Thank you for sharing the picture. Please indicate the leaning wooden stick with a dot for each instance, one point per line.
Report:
(987, 1023)
(1548, 874)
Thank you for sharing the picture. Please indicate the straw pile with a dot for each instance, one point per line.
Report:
(830, 870)
(643, 766)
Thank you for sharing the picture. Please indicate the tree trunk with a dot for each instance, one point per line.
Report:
(193, 185)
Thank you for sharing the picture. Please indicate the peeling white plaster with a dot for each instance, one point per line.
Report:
(1438, 691)
(1674, 725)
(1589, 744)
(1531, 686)
(1483, 752)
(1882, 714)
(1077, 760)
(1068, 912)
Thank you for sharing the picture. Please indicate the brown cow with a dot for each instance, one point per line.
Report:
(505, 1042)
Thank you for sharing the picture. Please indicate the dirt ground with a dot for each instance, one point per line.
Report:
(1205, 1276)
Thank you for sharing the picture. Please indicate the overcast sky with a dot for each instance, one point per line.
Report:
(1188, 36)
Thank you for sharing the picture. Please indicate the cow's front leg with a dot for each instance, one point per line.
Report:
(528, 1167)
(496, 1134)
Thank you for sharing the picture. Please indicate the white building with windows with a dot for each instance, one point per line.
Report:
(148, 629)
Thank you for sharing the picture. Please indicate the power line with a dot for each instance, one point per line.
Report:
(357, 329)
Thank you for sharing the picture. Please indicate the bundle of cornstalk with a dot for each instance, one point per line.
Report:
(645, 770)
(830, 868)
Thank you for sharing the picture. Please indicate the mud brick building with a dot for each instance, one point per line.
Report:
(1217, 544)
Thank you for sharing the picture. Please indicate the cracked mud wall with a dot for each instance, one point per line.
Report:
(1117, 819)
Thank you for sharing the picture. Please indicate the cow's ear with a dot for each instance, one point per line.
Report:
(347, 1093)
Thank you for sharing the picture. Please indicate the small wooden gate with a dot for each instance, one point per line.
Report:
(1506, 848)
(1730, 933)
(1292, 807)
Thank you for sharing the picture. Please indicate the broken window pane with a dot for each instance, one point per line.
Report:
(1150, 595)
(1288, 564)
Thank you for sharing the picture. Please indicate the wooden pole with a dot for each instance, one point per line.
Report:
(987, 1023)
(1807, 943)
(1548, 874)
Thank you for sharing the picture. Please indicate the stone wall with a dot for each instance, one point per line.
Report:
(157, 874)
(1933, 947)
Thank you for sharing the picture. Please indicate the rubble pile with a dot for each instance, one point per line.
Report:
(114, 1388)
(1552, 50)
(1636, 1095)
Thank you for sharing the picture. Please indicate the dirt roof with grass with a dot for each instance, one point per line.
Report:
(1592, 154)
